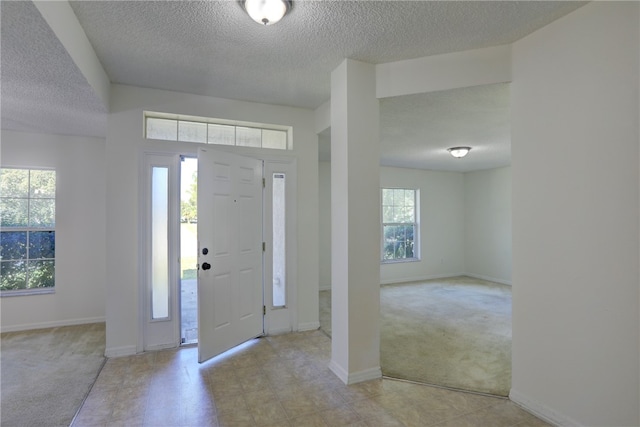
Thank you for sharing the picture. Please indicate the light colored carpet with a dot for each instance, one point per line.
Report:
(47, 373)
(452, 332)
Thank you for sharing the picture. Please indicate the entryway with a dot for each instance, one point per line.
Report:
(189, 250)
(211, 288)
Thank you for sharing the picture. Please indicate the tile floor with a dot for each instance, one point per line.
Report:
(274, 381)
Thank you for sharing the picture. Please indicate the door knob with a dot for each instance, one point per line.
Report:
(206, 266)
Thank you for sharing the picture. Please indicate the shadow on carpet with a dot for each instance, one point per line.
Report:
(47, 373)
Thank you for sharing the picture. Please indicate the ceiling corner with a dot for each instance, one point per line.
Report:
(65, 25)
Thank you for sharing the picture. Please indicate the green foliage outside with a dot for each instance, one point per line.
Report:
(27, 220)
(398, 242)
(189, 207)
(189, 273)
(189, 228)
(398, 217)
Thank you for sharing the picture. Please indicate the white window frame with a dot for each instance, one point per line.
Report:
(232, 124)
(415, 224)
(164, 332)
(29, 229)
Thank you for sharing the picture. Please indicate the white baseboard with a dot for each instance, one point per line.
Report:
(420, 278)
(340, 373)
(489, 279)
(356, 377)
(127, 350)
(53, 324)
(310, 326)
(541, 411)
(160, 347)
(366, 375)
(445, 276)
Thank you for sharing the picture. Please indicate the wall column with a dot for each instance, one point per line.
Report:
(355, 219)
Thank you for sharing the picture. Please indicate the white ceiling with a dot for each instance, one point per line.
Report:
(42, 89)
(213, 48)
(416, 130)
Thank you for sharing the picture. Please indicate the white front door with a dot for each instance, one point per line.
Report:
(230, 285)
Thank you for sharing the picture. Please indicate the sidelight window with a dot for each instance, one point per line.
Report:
(159, 242)
(279, 239)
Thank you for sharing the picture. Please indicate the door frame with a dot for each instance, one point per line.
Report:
(281, 320)
(162, 333)
(273, 322)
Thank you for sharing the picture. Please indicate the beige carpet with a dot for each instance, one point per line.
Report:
(454, 332)
(47, 373)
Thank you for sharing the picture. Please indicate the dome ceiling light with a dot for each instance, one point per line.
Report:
(459, 152)
(266, 12)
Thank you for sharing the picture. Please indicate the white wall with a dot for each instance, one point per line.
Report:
(575, 217)
(487, 224)
(80, 230)
(124, 148)
(441, 224)
(465, 221)
(446, 71)
(324, 197)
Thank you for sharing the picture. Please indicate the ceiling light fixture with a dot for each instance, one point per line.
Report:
(459, 152)
(266, 12)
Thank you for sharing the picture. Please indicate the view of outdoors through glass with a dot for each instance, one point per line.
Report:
(27, 228)
(399, 223)
(189, 250)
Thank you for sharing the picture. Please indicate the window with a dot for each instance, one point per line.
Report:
(399, 224)
(159, 242)
(279, 294)
(213, 131)
(27, 230)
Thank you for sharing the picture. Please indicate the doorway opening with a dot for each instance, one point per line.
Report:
(178, 228)
(188, 250)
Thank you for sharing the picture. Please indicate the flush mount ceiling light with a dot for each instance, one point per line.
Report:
(266, 12)
(459, 152)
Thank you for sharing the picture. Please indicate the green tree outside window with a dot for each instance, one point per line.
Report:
(27, 229)
(399, 225)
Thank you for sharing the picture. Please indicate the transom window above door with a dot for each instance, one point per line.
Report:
(204, 130)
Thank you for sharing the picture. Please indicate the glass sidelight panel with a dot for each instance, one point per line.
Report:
(279, 238)
(159, 242)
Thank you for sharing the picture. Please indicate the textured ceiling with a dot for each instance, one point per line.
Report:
(42, 89)
(213, 48)
(416, 130)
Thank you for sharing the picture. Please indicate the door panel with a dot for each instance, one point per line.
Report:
(230, 232)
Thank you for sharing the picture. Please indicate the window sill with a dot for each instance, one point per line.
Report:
(399, 261)
(24, 292)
